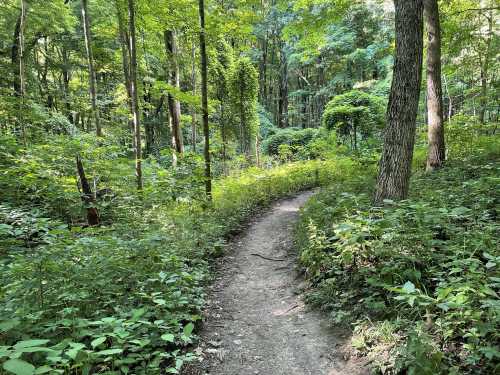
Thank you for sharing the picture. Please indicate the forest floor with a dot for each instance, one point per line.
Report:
(256, 321)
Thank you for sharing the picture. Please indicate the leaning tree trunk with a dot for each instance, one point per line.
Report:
(435, 132)
(134, 95)
(90, 65)
(88, 197)
(399, 136)
(204, 100)
(174, 105)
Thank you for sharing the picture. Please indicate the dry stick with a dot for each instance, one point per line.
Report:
(266, 258)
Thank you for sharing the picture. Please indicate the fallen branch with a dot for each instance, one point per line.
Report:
(271, 259)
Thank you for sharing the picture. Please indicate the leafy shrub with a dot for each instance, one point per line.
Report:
(124, 297)
(426, 268)
(292, 137)
(354, 114)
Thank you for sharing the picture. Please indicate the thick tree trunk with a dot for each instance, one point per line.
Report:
(134, 95)
(204, 100)
(90, 65)
(399, 136)
(174, 105)
(435, 133)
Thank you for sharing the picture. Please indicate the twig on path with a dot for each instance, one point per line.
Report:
(271, 259)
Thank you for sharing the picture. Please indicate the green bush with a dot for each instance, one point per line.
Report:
(418, 280)
(290, 136)
(124, 297)
(354, 115)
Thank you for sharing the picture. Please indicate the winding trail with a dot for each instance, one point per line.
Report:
(256, 322)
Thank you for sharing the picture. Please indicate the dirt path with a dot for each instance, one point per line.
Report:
(256, 322)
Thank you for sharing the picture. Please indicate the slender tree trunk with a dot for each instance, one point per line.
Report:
(17, 46)
(125, 50)
(174, 105)
(204, 100)
(22, 82)
(399, 136)
(283, 89)
(134, 95)
(66, 74)
(88, 197)
(90, 65)
(17, 59)
(485, 71)
(435, 133)
(193, 109)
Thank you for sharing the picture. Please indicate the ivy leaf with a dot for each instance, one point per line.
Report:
(19, 367)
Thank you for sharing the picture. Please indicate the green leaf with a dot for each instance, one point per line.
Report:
(98, 341)
(168, 337)
(19, 367)
(110, 351)
(29, 343)
(43, 370)
(409, 287)
(188, 329)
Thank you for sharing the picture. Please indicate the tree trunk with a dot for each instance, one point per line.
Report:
(174, 105)
(90, 64)
(399, 136)
(134, 95)
(88, 197)
(283, 89)
(125, 50)
(204, 100)
(193, 109)
(435, 132)
(485, 71)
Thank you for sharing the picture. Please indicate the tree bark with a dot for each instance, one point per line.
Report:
(485, 70)
(174, 106)
(125, 50)
(283, 89)
(193, 109)
(88, 197)
(435, 132)
(399, 136)
(204, 100)
(91, 68)
(134, 95)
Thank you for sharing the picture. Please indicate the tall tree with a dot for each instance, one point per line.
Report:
(204, 100)
(435, 133)
(485, 60)
(125, 51)
(399, 136)
(91, 67)
(193, 109)
(134, 95)
(174, 106)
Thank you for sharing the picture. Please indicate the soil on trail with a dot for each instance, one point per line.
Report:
(256, 322)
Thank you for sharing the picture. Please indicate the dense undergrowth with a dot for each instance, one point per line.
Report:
(124, 297)
(418, 281)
